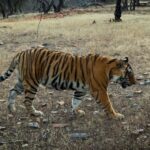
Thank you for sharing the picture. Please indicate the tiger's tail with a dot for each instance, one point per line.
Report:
(10, 69)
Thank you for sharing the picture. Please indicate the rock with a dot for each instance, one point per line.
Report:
(2, 128)
(142, 138)
(51, 93)
(45, 44)
(94, 22)
(10, 116)
(124, 123)
(45, 120)
(1, 43)
(148, 125)
(129, 95)
(79, 136)
(81, 112)
(61, 103)
(147, 81)
(89, 98)
(54, 111)
(25, 145)
(44, 105)
(59, 125)
(2, 100)
(2, 142)
(142, 83)
(138, 92)
(138, 131)
(33, 125)
(23, 118)
(19, 123)
(22, 106)
(96, 112)
(140, 77)
(145, 73)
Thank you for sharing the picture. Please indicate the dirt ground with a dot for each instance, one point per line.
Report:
(78, 34)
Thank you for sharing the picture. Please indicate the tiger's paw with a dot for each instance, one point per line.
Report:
(11, 108)
(118, 116)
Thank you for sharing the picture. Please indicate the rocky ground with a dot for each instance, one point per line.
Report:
(92, 130)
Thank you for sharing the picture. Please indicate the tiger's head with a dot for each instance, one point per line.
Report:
(121, 72)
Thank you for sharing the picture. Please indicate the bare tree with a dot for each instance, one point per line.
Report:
(46, 6)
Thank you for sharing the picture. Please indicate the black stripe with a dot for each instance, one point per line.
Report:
(34, 88)
(82, 71)
(95, 57)
(31, 92)
(27, 97)
(71, 86)
(75, 68)
(55, 69)
(54, 80)
(48, 69)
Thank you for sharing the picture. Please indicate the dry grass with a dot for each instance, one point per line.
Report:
(77, 34)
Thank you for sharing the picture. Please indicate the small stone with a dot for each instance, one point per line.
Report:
(60, 125)
(10, 116)
(140, 77)
(22, 106)
(124, 123)
(19, 123)
(23, 118)
(61, 103)
(44, 105)
(2, 100)
(65, 110)
(2, 128)
(129, 96)
(96, 112)
(45, 44)
(78, 136)
(25, 145)
(89, 98)
(138, 92)
(138, 131)
(51, 93)
(2, 142)
(145, 73)
(148, 125)
(81, 112)
(45, 120)
(54, 111)
(34, 125)
(147, 81)
(142, 83)
(1, 43)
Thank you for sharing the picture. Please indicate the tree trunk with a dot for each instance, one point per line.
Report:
(3, 11)
(125, 5)
(118, 11)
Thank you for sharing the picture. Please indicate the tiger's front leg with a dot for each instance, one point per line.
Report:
(103, 98)
(76, 101)
(29, 97)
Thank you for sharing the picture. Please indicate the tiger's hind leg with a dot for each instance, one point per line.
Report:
(16, 90)
(30, 93)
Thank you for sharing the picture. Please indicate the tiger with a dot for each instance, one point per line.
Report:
(65, 71)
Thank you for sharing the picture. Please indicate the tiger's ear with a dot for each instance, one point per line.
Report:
(125, 60)
(122, 62)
